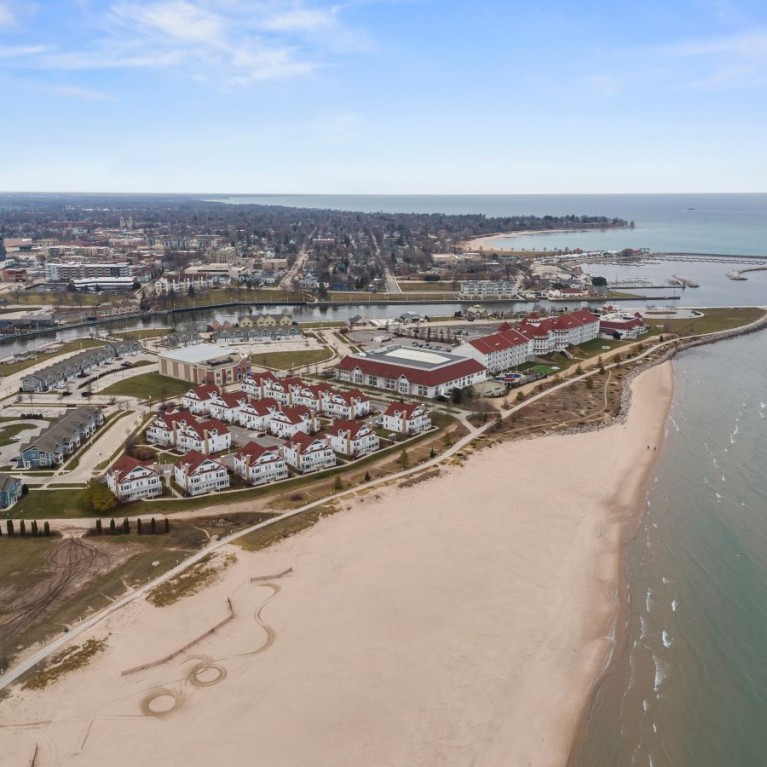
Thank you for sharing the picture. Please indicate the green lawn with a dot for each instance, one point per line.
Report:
(50, 504)
(151, 385)
(713, 320)
(7, 368)
(141, 334)
(290, 360)
(11, 431)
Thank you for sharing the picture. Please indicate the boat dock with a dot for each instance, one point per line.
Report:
(737, 274)
(685, 282)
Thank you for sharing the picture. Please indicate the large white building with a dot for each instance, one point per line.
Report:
(511, 346)
(258, 464)
(483, 290)
(411, 372)
(130, 480)
(196, 474)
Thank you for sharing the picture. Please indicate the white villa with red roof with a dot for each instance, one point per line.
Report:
(346, 404)
(410, 371)
(354, 438)
(165, 428)
(196, 474)
(312, 396)
(511, 346)
(406, 418)
(287, 422)
(208, 437)
(199, 399)
(256, 384)
(307, 453)
(226, 407)
(130, 480)
(257, 464)
(257, 414)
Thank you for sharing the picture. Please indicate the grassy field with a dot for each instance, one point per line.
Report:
(51, 504)
(713, 320)
(141, 334)
(11, 431)
(8, 368)
(290, 360)
(149, 385)
(407, 286)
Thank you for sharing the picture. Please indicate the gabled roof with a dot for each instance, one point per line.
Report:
(296, 414)
(125, 465)
(264, 406)
(349, 396)
(303, 440)
(262, 376)
(434, 377)
(352, 427)
(234, 399)
(203, 392)
(179, 417)
(402, 409)
(214, 424)
(253, 451)
(195, 461)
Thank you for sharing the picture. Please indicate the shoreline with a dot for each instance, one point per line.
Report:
(546, 547)
(479, 243)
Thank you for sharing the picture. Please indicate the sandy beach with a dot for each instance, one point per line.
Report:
(461, 621)
(479, 243)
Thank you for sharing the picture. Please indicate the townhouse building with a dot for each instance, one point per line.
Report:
(307, 453)
(257, 464)
(353, 438)
(131, 480)
(287, 422)
(197, 474)
(406, 418)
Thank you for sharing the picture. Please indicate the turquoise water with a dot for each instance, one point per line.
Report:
(690, 687)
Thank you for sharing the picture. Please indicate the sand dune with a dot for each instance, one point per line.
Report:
(462, 621)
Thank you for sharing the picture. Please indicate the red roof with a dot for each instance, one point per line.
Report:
(180, 416)
(402, 409)
(435, 377)
(126, 463)
(254, 451)
(621, 324)
(297, 414)
(349, 396)
(304, 440)
(203, 392)
(215, 424)
(504, 326)
(194, 459)
(499, 341)
(234, 399)
(353, 427)
(264, 406)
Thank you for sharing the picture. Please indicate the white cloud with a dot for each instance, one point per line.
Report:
(748, 45)
(81, 93)
(304, 19)
(7, 16)
(178, 19)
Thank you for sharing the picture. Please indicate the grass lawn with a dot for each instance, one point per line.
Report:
(290, 360)
(11, 431)
(149, 385)
(141, 334)
(713, 320)
(427, 287)
(51, 504)
(7, 368)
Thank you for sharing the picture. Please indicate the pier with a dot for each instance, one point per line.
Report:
(685, 282)
(737, 274)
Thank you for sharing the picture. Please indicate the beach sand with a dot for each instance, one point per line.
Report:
(461, 621)
(487, 241)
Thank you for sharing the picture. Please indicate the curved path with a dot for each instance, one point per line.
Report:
(24, 666)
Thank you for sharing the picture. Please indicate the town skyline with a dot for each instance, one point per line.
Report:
(383, 97)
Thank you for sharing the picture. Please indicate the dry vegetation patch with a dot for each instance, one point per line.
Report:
(70, 659)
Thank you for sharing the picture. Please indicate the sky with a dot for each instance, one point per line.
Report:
(383, 96)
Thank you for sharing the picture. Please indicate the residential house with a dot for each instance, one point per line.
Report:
(60, 439)
(406, 418)
(196, 474)
(290, 420)
(257, 464)
(198, 400)
(130, 480)
(164, 430)
(257, 414)
(226, 407)
(306, 453)
(257, 384)
(353, 438)
(207, 437)
(10, 490)
(346, 404)
(312, 396)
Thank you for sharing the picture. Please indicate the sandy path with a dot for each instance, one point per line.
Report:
(462, 621)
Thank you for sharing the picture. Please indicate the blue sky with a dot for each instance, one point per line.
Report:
(383, 96)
